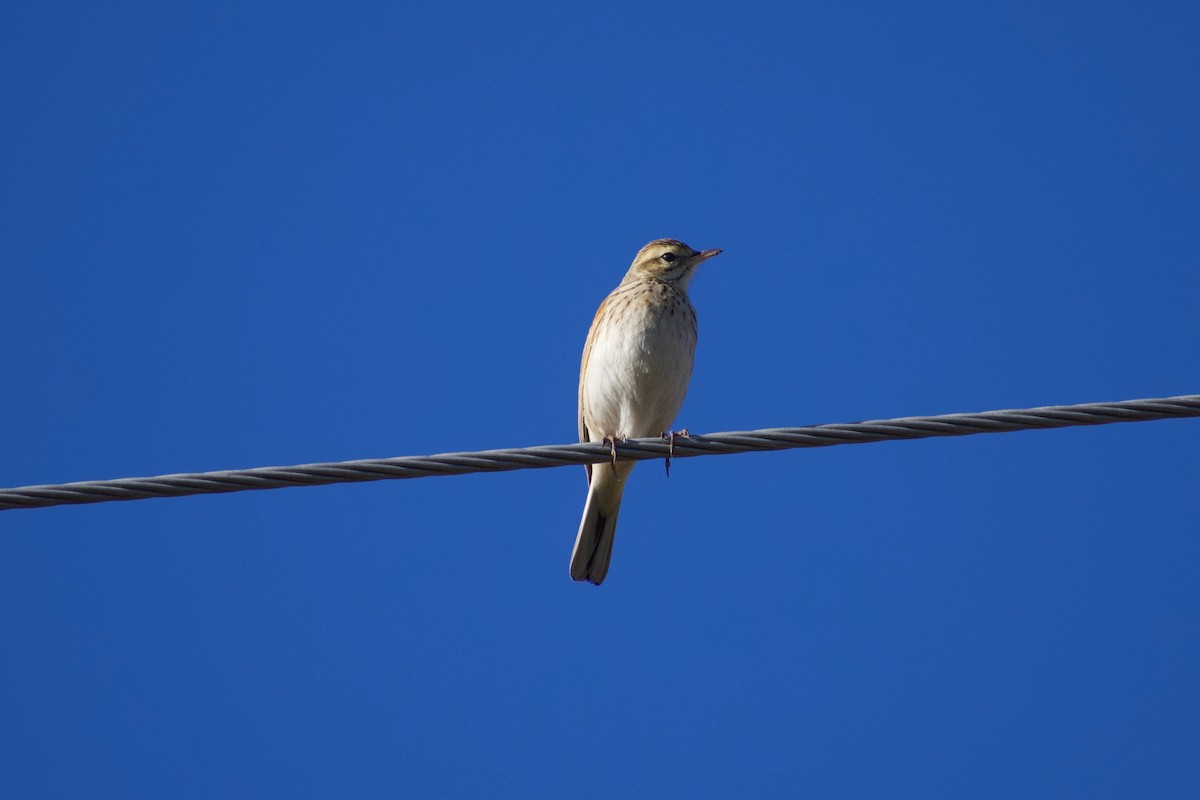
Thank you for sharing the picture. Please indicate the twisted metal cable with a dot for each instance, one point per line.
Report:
(595, 452)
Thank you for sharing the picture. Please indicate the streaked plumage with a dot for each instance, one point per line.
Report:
(637, 362)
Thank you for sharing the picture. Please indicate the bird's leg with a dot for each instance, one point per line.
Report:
(669, 438)
(612, 444)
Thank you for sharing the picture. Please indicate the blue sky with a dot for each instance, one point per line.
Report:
(248, 234)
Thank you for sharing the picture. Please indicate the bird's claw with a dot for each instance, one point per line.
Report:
(669, 438)
(612, 446)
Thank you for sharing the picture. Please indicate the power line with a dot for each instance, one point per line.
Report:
(593, 453)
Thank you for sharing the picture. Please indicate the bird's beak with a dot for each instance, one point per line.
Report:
(705, 255)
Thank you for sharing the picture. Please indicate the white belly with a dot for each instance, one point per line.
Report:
(637, 374)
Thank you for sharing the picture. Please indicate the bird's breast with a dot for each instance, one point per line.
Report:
(641, 351)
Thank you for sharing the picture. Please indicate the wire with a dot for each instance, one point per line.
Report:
(595, 452)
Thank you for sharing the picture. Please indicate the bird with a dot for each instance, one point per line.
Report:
(637, 362)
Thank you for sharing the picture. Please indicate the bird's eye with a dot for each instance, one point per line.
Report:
(668, 257)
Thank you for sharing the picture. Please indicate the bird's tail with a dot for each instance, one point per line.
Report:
(594, 542)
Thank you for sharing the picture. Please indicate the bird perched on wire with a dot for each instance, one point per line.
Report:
(637, 362)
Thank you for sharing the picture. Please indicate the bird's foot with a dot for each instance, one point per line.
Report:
(612, 446)
(669, 438)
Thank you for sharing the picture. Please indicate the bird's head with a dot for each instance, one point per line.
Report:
(669, 260)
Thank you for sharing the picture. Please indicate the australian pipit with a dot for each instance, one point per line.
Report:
(637, 362)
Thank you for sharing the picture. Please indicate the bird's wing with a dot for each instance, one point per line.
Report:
(584, 436)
